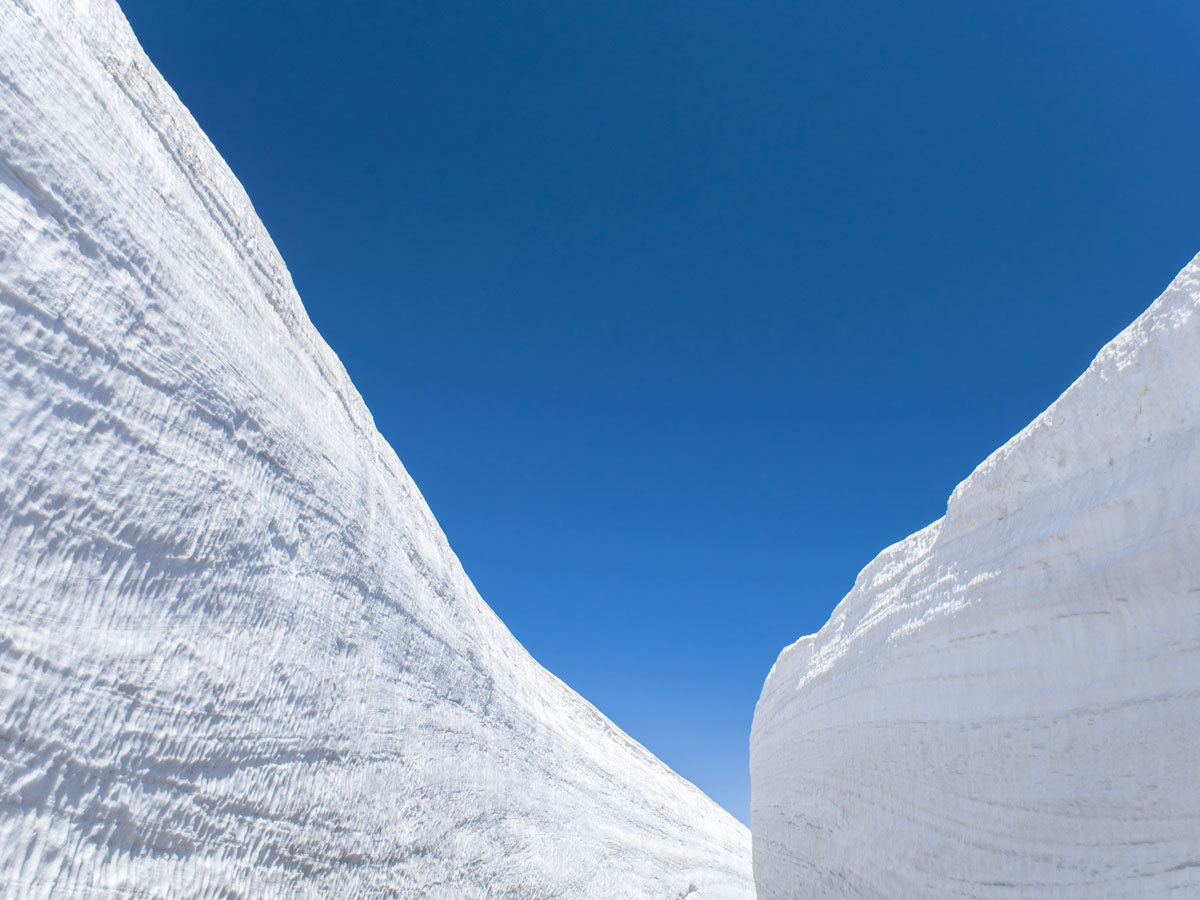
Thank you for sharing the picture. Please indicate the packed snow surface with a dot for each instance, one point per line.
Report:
(1007, 704)
(237, 656)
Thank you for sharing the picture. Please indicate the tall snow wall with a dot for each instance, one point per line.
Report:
(1007, 704)
(237, 656)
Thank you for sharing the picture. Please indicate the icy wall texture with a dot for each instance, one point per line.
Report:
(1007, 704)
(237, 656)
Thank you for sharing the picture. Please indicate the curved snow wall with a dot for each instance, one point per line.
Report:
(237, 656)
(1007, 704)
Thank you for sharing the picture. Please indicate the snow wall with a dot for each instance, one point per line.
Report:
(237, 656)
(1007, 704)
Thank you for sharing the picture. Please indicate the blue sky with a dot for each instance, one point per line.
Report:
(680, 312)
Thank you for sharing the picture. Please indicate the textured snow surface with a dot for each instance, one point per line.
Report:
(237, 656)
(1007, 704)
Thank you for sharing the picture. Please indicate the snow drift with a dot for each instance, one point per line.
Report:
(1007, 704)
(237, 656)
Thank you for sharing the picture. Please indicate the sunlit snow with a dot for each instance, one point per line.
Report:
(237, 656)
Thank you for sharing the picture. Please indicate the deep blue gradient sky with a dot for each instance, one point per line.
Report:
(678, 312)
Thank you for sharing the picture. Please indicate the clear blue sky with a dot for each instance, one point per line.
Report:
(678, 312)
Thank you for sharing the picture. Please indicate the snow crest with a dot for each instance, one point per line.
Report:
(1007, 704)
(237, 656)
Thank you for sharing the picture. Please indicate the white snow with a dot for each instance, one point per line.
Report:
(237, 656)
(1007, 704)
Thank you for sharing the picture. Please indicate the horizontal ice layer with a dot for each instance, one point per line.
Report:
(237, 656)
(1007, 704)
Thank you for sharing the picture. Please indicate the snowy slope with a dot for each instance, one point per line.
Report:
(237, 656)
(1007, 704)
